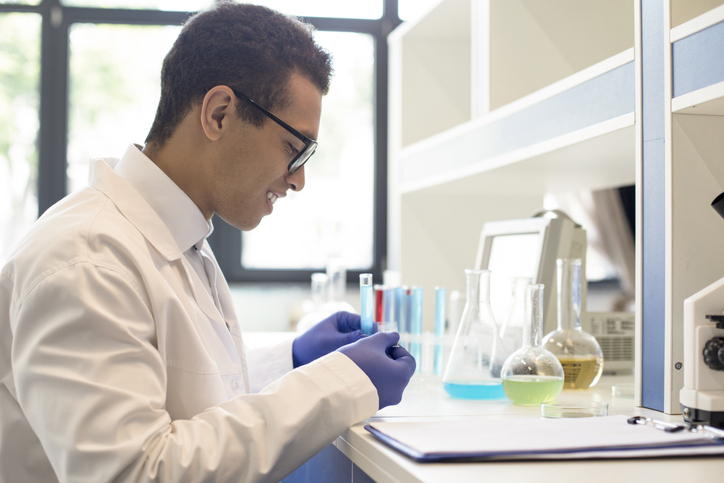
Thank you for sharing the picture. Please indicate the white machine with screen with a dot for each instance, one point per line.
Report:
(529, 248)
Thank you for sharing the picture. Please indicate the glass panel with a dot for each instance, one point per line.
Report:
(19, 101)
(114, 90)
(332, 216)
(411, 9)
(327, 8)
(173, 5)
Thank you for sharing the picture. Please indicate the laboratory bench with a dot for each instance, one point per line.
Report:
(356, 456)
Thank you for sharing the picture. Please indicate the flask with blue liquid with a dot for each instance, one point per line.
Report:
(477, 356)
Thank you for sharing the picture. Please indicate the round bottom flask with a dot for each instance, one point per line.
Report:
(532, 375)
(578, 351)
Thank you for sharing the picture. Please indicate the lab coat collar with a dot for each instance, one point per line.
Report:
(183, 218)
(134, 207)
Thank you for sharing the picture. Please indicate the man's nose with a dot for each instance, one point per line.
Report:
(296, 179)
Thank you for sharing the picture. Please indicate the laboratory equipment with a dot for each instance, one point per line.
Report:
(532, 375)
(379, 291)
(511, 332)
(577, 350)
(477, 356)
(440, 299)
(573, 409)
(615, 333)
(455, 311)
(702, 398)
(400, 310)
(319, 311)
(416, 326)
(529, 247)
(384, 303)
(367, 303)
(337, 291)
(388, 326)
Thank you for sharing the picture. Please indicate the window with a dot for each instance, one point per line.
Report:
(177, 5)
(371, 9)
(19, 100)
(96, 93)
(332, 217)
(113, 91)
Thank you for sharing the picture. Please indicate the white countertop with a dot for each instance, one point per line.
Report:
(426, 400)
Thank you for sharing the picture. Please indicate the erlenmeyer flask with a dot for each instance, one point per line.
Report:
(477, 356)
(532, 375)
(511, 333)
(577, 350)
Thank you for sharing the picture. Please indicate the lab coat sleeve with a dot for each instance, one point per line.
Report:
(92, 385)
(269, 362)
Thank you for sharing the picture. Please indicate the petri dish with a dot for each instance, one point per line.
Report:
(569, 409)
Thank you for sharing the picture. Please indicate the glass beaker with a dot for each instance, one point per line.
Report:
(532, 375)
(511, 333)
(477, 356)
(578, 351)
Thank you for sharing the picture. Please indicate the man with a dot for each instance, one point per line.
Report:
(121, 357)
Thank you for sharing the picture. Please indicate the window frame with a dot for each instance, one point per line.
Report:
(226, 241)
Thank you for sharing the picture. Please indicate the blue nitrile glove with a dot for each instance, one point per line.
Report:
(389, 368)
(326, 336)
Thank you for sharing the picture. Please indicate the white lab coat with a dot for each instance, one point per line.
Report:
(115, 363)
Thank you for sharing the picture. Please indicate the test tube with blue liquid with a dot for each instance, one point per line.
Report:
(400, 310)
(367, 303)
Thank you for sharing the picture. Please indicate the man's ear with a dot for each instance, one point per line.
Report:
(216, 108)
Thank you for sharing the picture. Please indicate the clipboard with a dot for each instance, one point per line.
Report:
(607, 437)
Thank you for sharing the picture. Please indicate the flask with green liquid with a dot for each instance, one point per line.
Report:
(532, 375)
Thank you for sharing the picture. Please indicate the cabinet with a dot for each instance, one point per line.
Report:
(494, 103)
(682, 171)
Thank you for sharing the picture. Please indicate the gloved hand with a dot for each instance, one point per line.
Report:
(389, 368)
(326, 336)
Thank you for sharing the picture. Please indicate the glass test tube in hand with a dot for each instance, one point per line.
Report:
(367, 303)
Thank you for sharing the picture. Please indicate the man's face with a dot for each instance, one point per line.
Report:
(250, 171)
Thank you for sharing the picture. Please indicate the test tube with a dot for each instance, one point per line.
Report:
(366, 303)
(416, 326)
(440, 297)
(388, 305)
(400, 309)
(379, 310)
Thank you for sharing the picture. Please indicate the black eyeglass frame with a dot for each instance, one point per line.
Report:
(310, 145)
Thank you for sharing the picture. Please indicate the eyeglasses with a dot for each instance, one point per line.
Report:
(310, 145)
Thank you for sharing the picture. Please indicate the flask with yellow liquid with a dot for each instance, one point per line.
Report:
(578, 351)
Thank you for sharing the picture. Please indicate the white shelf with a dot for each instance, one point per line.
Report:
(591, 154)
(707, 101)
(430, 76)
(467, 58)
(531, 44)
(688, 17)
(597, 157)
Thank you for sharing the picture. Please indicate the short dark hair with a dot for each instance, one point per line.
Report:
(251, 48)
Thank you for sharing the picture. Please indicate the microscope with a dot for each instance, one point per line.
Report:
(702, 397)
